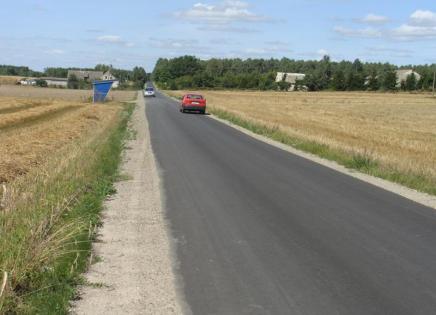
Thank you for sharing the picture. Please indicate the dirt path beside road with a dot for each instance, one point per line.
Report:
(135, 274)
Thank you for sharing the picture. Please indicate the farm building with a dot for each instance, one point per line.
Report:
(94, 75)
(56, 82)
(404, 73)
(291, 78)
(109, 76)
(29, 82)
(86, 75)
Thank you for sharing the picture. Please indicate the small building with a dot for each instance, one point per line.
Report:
(56, 82)
(109, 76)
(291, 78)
(86, 75)
(403, 74)
(28, 82)
(91, 76)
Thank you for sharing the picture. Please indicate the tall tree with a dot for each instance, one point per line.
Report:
(389, 82)
(338, 82)
(73, 82)
(139, 77)
(373, 81)
(103, 67)
(411, 82)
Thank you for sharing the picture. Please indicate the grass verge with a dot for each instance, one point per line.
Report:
(48, 221)
(352, 160)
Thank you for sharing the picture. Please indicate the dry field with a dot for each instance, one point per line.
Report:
(398, 130)
(58, 157)
(60, 94)
(9, 80)
(32, 129)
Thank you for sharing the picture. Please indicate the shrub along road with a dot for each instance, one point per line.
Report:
(261, 231)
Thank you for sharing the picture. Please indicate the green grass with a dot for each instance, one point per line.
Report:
(351, 160)
(44, 280)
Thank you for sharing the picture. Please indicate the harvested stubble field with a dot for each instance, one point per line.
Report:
(9, 80)
(60, 94)
(58, 159)
(387, 135)
(31, 130)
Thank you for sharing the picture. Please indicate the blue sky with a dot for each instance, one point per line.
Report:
(42, 33)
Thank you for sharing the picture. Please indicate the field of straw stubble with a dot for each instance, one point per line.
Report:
(58, 155)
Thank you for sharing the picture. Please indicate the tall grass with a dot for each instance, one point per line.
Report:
(48, 218)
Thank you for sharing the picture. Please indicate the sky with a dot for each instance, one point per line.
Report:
(82, 33)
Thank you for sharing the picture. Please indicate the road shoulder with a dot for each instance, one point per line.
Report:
(135, 273)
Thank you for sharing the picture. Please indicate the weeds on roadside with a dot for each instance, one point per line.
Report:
(49, 219)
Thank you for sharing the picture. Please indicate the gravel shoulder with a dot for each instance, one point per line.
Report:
(135, 273)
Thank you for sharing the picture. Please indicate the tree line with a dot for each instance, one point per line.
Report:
(260, 74)
(18, 71)
(129, 79)
(134, 78)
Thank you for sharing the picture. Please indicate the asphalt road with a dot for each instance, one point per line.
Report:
(261, 231)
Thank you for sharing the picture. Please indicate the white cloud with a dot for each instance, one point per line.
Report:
(423, 18)
(114, 39)
(178, 45)
(374, 19)
(267, 51)
(55, 52)
(421, 26)
(110, 39)
(368, 32)
(222, 13)
(411, 32)
(226, 28)
(278, 47)
(382, 51)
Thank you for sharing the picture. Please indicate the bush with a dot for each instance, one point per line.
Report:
(41, 83)
(389, 82)
(411, 82)
(73, 82)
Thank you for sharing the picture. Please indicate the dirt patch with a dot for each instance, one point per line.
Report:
(135, 274)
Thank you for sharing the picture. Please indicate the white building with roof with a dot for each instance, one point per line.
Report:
(403, 74)
(291, 78)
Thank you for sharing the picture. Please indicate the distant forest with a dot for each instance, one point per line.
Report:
(122, 75)
(260, 74)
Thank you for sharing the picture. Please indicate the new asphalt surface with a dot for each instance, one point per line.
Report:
(261, 231)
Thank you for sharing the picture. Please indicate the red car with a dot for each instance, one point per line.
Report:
(193, 102)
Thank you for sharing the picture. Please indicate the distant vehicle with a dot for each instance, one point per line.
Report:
(193, 102)
(149, 91)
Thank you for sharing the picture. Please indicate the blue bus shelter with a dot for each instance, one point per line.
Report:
(101, 89)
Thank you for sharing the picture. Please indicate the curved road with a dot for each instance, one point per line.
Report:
(261, 231)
